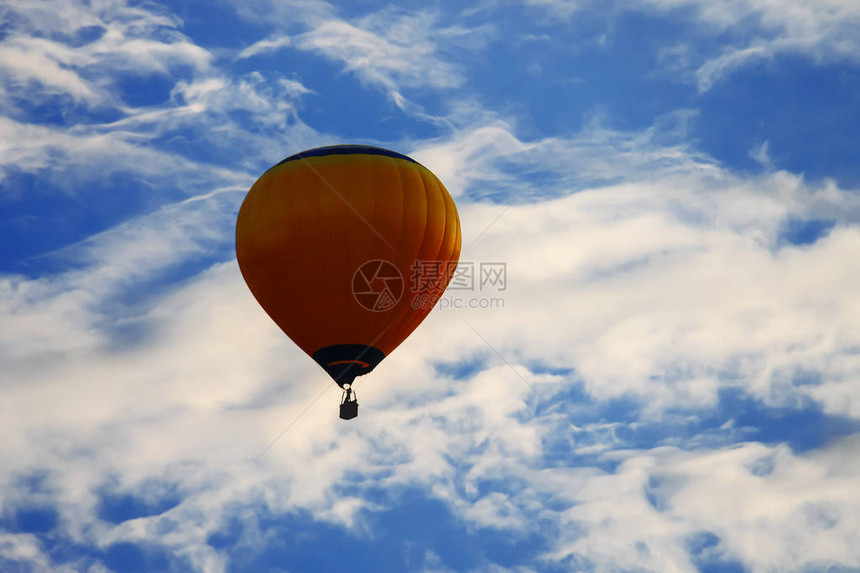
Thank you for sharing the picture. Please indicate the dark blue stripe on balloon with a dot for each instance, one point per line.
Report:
(346, 150)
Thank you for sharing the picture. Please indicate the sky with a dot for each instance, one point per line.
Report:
(667, 380)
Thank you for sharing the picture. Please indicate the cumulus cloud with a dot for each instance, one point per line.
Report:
(663, 290)
(719, 504)
(646, 285)
(724, 291)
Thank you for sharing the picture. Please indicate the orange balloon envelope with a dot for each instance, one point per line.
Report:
(348, 248)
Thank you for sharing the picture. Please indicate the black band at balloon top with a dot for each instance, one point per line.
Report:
(346, 150)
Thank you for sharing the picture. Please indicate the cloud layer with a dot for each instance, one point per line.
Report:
(667, 382)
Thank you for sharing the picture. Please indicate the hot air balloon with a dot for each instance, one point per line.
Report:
(347, 248)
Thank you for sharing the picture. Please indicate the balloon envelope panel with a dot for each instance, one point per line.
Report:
(329, 242)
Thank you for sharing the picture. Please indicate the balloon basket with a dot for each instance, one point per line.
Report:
(348, 410)
(348, 405)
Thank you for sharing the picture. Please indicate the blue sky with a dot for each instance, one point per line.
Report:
(668, 382)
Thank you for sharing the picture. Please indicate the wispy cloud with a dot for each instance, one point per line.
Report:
(144, 140)
(79, 53)
(386, 50)
(824, 31)
(491, 161)
(265, 46)
(736, 33)
(391, 50)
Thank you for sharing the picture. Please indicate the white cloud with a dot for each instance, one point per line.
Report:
(658, 282)
(43, 49)
(72, 156)
(385, 50)
(269, 103)
(83, 54)
(489, 160)
(802, 515)
(746, 31)
(142, 143)
(825, 31)
(396, 51)
(761, 154)
(392, 50)
(649, 289)
(470, 156)
(21, 64)
(264, 46)
(643, 268)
